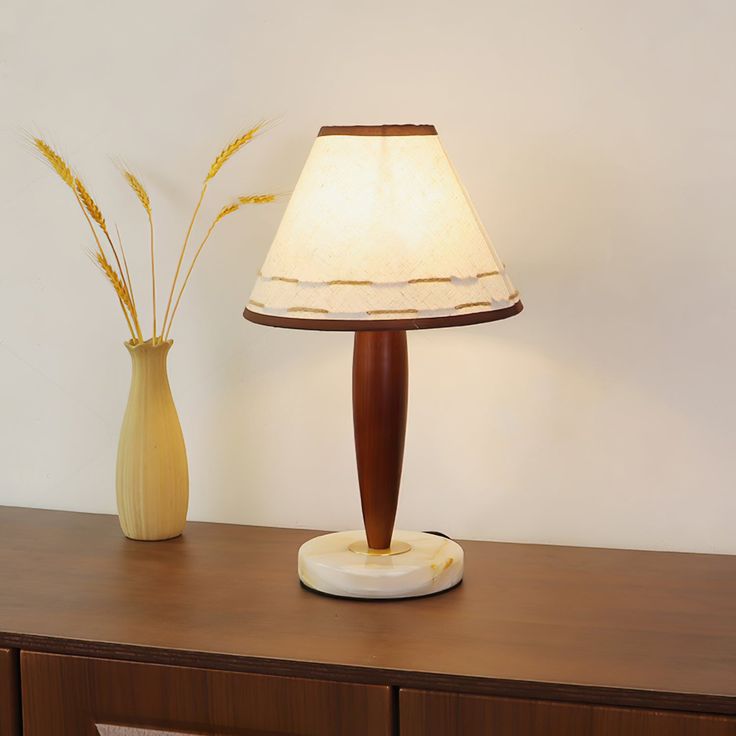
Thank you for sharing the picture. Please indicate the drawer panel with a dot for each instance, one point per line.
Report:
(77, 696)
(425, 713)
(9, 693)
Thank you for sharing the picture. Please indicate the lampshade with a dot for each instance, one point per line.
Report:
(380, 234)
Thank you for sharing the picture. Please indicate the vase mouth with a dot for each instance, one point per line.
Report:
(147, 345)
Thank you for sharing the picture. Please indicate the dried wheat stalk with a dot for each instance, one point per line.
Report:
(82, 196)
(145, 200)
(139, 190)
(56, 161)
(90, 205)
(117, 284)
(231, 149)
(224, 212)
(96, 214)
(225, 155)
(120, 277)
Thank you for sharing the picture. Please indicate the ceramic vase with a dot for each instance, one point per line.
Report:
(152, 478)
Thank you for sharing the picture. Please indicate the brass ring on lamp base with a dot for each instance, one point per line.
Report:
(396, 548)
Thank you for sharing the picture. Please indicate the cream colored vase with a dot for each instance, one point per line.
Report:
(152, 476)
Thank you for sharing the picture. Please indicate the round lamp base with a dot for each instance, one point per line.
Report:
(341, 564)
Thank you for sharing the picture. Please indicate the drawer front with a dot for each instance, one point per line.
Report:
(77, 696)
(426, 713)
(9, 693)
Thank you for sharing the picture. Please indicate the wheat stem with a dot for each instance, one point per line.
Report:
(89, 222)
(230, 150)
(188, 274)
(117, 283)
(145, 200)
(96, 214)
(122, 271)
(153, 277)
(130, 286)
(181, 257)
(127, 319)
(65, 173)
(88, 207)
(224, 212)
(100, 254)
(121, 278)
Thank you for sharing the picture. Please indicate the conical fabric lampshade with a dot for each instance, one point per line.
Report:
(380, 234)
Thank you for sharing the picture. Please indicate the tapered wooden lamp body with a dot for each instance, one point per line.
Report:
(379, 238)
(380, 395)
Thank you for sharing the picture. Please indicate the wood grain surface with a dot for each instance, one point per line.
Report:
(9, 693)
(615, 627)
(380, 400)
(69, 696)
(105, 729)
(446, 714)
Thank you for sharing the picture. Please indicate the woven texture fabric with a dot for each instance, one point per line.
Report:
(380, 227)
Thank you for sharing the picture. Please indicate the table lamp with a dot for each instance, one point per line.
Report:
(380, 237)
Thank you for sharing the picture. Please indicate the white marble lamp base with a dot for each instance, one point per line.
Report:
(432, 564)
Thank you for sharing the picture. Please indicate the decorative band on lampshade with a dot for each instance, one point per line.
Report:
(380, 234)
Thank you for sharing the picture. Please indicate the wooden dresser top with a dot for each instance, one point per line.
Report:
(566, 623)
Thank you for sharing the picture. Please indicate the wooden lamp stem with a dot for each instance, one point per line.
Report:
(380, 394)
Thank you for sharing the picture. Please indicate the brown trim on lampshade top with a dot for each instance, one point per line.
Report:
(377, 130)
(376, 325)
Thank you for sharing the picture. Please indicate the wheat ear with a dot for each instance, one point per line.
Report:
(145, 200)
(228, 152)
(99, 256)
(90, 205)
(56, 161)
(87, 205)
(139, 190)
(256, 199)
(224, 212)
(96, 214)
(64, 171)
(232, 148)
(130, 282)
(117, 284)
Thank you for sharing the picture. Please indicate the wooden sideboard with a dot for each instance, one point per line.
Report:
(212, 634)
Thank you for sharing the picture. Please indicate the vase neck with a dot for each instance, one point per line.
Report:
(149, 358)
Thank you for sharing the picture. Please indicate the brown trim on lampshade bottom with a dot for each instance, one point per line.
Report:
(384, 130)
(375, 325)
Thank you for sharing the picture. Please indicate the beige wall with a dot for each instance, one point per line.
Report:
(598, 140)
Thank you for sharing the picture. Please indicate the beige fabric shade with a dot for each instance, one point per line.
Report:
(380, 234)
